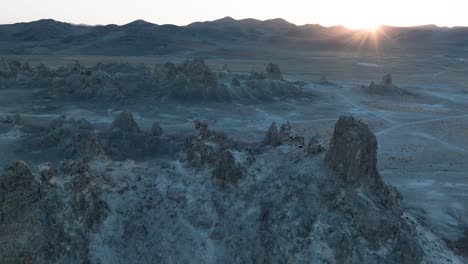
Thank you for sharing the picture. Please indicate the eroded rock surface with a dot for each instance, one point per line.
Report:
(353, 152)
(48, 221)
(124, 83)
(218, 203)
(217, 151)
(314, 147)
(68, 138)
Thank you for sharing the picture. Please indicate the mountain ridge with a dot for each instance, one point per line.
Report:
(208, 38)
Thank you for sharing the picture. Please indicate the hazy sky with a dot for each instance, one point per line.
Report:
(351, 13)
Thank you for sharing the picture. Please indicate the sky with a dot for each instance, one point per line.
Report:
(349, 13)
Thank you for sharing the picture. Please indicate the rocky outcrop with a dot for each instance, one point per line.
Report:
(314, 147)
(197, 82)
(353, 152)
(21, 233)
(270, 84)
(79, 140)
(165, 72)
(218, 204)
(352, 157)
(198, 73)
(385, 87)
(235, 82)
(19, 191)
(42, 221)
(272, 137)
(69, 139)
(217, 151)
(192, 80)
(284, 136)
(125, 122)
(125, 140)
(156, 130)
(273, 72)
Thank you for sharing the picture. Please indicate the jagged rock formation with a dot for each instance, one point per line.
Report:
(192, 80)
(353, 151)
(314, 147)
(126, 123)
(216, 150)
(77, 139)
(125, 140)
(272, 137)
(270, 84)
(198, 73)
(47, 222)
(217, 204)
(385, 87)
(284, 136)
(20, 218)
(353, 157)
(273, 72)
(235, 82)
(20, 190)
(69, 139)
(156, 129)
(17, 74)
(196, 81)
(165, 72)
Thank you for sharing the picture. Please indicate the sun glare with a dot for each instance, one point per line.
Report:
(369, 26)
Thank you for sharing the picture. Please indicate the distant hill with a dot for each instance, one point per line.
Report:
(225, 37)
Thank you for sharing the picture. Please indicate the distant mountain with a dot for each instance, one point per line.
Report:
(222, 37)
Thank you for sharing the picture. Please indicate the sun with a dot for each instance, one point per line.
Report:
(373, 27)
(366, 25)
(362, 23)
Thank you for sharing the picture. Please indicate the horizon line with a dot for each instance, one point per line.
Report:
(226, 17)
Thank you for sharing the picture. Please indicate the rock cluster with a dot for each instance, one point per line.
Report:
(385, 87)
(165, 72)
(74, 210)
(217, 151)
(70, 138)
(285, 135)
(191, 80)
(125, 140)
(198, 73)
(79, 140)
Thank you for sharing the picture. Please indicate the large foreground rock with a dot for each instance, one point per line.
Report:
(353, 152)
(352, 157)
